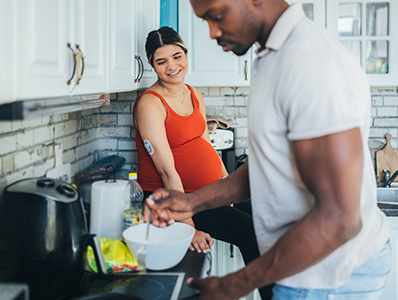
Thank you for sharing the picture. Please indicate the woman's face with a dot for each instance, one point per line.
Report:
(170, 63)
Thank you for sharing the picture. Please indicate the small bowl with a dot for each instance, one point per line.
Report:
(166, 246)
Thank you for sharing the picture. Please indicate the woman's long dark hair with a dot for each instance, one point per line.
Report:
(163, 36)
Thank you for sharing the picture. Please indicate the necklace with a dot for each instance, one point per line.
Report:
(173, 94)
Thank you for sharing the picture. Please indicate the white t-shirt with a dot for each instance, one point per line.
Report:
(305, 84)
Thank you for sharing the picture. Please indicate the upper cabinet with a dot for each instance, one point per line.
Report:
(209, 65)
(148, 19)
(60, 48)
(6, 50)
(130, 23)
(368, 30)
(63, 48)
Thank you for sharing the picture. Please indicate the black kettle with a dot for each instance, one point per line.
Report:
(43, 237)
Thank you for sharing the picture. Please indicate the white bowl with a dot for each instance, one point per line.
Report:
(166, 246)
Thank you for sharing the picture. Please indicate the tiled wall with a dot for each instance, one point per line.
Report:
(26, 146)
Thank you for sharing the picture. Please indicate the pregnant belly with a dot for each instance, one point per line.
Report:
(198, 164)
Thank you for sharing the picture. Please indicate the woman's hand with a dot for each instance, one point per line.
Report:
(201, 242)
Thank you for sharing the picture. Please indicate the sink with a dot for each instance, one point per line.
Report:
(387, 194)
(387, 198)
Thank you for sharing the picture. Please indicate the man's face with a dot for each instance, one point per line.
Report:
(231, 22)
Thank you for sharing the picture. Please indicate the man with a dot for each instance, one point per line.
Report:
(309, 176)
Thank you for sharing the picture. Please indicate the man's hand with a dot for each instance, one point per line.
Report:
(168, 206)
(213, 288)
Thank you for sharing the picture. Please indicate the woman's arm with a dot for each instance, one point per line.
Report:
(149, 118)
(205, 134)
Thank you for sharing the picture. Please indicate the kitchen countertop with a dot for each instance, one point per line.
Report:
(191, 266)
(390, 212)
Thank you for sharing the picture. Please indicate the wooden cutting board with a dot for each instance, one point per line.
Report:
(387, 159)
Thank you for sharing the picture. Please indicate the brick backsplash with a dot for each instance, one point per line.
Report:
(86, 136)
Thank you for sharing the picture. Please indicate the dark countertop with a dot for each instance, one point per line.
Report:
(191, 265)
(91, 285)
(391, 210)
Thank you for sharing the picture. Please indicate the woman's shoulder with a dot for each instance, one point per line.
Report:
(150, 99)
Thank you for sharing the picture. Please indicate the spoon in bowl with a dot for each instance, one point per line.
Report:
(141, 253)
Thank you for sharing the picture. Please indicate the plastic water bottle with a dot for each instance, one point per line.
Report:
(133, 215)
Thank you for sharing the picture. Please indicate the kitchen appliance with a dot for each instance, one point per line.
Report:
(223, 141)
(43, 236)
(145, 286)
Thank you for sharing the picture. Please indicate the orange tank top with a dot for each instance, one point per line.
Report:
(196, 161)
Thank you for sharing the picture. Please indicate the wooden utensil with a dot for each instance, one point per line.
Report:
(387, 159)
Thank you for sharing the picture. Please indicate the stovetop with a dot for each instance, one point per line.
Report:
(146, 286)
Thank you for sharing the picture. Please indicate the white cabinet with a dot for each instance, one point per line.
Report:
(41, 54)
(98, 44)
(130, 23)
(148, 20)
(44, 63)
(225, 259)
(391, 289)
(369, 30)
(123, 66)
(89, 30)
(209, 65)
(6, 50)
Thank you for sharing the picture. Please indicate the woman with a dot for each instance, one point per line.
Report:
(173, 145)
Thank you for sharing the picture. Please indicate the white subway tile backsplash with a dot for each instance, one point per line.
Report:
(243, 91)
(213, 91)
(23, 159)
(130, 156)
(377, 101)
(108, 144)
(391, 100)
(240, 101)
(228, 91)
(93, 134)
(8, 163)
(8, 144)
(16, 125)
(70, 141)
(125, 119)
(107, 119)
(387, 111)
(42, 135)
(25, 139)
(5, 127)
(126, 145)
(386, 122)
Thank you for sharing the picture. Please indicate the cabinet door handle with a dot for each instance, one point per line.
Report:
(142, 68)
(79, 58)
(74, 64)
(139, 68)
(246, 71)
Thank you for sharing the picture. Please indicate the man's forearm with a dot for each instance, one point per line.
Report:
(232, 189)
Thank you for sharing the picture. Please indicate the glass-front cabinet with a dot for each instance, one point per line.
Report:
(368, 30)
(314, 10)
